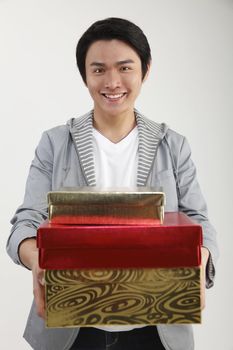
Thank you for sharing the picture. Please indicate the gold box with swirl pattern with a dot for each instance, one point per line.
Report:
(95, 297)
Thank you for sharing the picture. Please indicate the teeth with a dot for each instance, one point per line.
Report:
(113, 96)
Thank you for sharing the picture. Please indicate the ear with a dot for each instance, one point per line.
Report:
(147, 73)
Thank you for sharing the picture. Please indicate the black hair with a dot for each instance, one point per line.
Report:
(109, 29)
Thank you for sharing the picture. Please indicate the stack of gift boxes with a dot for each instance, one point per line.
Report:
(111, 257)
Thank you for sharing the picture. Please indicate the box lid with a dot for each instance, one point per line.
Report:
(175, 243)
(135, 196)
(109, 206)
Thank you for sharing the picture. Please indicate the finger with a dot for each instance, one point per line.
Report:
(39, 295)
(39, 292)
(41, 278)
(202, 285)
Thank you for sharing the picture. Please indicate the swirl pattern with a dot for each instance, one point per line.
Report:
(122, 297)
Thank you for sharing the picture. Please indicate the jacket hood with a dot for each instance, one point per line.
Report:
(157, 129)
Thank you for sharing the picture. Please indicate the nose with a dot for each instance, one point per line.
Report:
(112, 80)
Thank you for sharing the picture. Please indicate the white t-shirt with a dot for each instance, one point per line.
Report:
(116, 163)
(116, 166)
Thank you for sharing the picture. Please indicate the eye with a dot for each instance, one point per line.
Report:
(125, 68)
(98, 70)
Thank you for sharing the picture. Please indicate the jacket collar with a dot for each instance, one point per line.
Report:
(149, 133)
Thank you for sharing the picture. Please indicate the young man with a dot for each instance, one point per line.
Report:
(113, 145)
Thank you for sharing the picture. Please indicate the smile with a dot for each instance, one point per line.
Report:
(114, 97)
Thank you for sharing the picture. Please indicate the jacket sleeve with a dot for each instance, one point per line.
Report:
(192, 203)
(34, 208)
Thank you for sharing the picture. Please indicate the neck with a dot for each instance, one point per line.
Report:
(115, 128)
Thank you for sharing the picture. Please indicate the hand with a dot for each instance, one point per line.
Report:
(204, 258)
(39, 288)
(28, 254)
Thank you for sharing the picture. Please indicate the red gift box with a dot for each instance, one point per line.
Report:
(175, 243)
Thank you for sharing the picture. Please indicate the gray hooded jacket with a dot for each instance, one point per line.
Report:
(64, 157)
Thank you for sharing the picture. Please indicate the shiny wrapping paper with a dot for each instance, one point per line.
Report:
(105, 275)
(175, 243)
(93, 205)
(122, 297)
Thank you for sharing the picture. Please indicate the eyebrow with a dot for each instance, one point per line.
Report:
(100, 64)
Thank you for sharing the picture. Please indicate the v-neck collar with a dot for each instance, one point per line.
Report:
(149, 135)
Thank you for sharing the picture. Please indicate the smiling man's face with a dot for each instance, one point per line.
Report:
(113, 76)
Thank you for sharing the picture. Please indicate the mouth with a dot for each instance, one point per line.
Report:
(114, 97)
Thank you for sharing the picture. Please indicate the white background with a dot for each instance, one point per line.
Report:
(190, 88)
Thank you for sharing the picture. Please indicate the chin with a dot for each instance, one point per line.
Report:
(116, 111)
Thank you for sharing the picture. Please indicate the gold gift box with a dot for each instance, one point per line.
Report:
(94, 297)
(93, 205)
